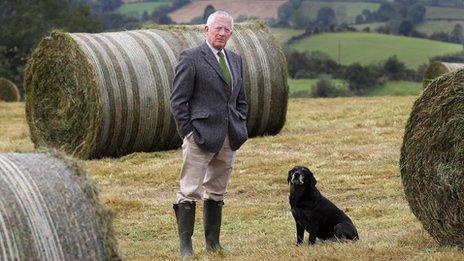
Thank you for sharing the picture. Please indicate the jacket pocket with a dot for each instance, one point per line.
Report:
(199, 115)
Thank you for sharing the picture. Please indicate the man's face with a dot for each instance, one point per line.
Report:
(219, 33)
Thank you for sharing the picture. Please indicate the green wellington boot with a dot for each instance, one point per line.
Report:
(212, 215)
(185, 215)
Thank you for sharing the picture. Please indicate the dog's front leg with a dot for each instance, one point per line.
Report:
(312, 235)
(299, 233)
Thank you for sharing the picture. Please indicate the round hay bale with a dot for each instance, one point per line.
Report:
(436, 69)
(432, 159)
(96, 95)
(49, 210)
(8, 91)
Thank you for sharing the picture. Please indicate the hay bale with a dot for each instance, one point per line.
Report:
(436, 69)
(49, 210)
(8, 91)
(432, 159)
(107, 94)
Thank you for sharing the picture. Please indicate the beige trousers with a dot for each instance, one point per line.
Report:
(204, 175)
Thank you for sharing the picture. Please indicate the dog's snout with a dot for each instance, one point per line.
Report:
(297, 178)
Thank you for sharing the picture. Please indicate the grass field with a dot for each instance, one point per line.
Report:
(398, 88)
(395, 88)
(282, 35)
(138, 8)
(430, 27)
(367, 48)
(351, 144)
(444, 13)
(344, 11)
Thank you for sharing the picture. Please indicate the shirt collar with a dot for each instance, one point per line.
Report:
(214, 50)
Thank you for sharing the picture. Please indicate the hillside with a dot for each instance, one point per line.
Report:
(352, 145)
(263, 9)
(367, 48)
(430, 27)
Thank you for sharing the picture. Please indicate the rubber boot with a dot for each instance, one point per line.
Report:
(212, 215)
(185, 216)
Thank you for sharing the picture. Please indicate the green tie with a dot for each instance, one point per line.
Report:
(224, 68)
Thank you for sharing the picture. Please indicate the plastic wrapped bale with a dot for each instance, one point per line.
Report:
(436, 69)
(8, 91)
(432, 159)
(49, 210)
(96, 95)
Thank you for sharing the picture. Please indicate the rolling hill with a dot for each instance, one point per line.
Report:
(367, 48)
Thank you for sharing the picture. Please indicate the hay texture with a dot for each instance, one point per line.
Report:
(49, 210)
(8, 91)
(436, 69)
(107, 94)
(432, 159)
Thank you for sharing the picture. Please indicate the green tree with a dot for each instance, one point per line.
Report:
(416, 13)
(326, 16)
(207, 12)
(386, 11)
(457, 34)
(25, 22)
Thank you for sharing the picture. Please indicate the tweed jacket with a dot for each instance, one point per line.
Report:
(201, 101)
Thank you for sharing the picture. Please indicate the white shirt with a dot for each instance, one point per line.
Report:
(215, 52)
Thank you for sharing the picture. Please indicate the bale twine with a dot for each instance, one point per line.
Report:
(436, 69)
(432, 159)
(8, 91)
(49, 210)
(107, 94)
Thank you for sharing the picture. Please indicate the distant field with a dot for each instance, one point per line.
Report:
(367, 48)
(345, 11)
(395, 88)
(138, 8)
(297, 85)
(372, 26)
(282, 35)
(444, 13)
(431, 27)
(398, 88)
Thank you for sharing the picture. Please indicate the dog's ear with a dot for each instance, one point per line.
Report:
(289, 178)
(311, 178)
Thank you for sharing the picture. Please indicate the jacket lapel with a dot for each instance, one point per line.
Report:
(211, 60)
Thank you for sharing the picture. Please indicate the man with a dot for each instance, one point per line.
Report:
(209, 107)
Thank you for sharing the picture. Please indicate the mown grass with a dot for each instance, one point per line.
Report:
(139, 8)
(367, 48)
(351, 144)
(444, 13)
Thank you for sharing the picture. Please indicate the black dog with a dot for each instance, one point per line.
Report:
(315, 213)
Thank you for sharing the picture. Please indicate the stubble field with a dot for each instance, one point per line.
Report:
(351, 144)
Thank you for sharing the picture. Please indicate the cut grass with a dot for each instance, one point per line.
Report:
(351, 144)
(367, 48)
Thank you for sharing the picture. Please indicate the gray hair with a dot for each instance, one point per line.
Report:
(222, 14)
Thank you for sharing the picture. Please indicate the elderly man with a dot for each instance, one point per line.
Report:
(209, 107)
